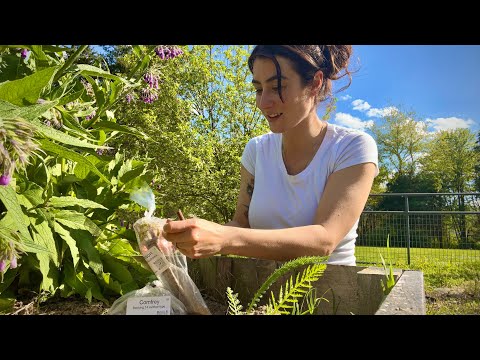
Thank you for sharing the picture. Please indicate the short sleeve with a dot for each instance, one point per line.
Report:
(357, 149)
(249, 156)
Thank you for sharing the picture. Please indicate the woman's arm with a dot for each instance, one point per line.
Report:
(341, 205)
(240, 218)
(343, 200)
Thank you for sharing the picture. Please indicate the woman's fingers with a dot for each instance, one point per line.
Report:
(179, 225)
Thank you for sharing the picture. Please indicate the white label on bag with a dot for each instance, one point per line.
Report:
(151, 305)
(156, 260)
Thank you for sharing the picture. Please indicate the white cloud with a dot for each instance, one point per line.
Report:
(375, 112)
(363, 106)
(360, 105)
(344, 98)
(353, 122)
(449, 123)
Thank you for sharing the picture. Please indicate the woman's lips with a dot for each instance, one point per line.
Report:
(273, 118)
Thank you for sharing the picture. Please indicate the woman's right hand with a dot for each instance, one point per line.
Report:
(195, 237)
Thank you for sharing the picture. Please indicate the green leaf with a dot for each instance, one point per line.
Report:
(118, 270)
(32, 196)
(26, 91)
(51, 48)
(110, 125)
(6, 305)
(132, 174)
(95, 71)
(72, 155)
(8, 110)
(72, 244)
(66, 201)
(9, 199)
(43, 235)
(64, 138)
(27, 244)
(70, 98)
(85, 243)
(76, 220)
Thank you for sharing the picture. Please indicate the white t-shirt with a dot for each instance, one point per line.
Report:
(281, 200)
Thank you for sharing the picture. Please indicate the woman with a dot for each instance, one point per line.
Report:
(303, 185)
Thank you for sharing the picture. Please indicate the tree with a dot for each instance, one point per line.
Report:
(401, 140)
(200, 124)
(477, 166)
(451, 162)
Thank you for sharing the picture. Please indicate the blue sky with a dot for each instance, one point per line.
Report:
(440, 83)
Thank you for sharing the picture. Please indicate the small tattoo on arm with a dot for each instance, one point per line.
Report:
(250, 187)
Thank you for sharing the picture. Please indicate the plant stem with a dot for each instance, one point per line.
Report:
(69, 62)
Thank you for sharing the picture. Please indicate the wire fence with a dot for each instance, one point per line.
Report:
(419, 227)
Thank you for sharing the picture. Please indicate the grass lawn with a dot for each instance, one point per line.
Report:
(451, 276)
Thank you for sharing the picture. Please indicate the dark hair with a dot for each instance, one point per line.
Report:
(306, 61)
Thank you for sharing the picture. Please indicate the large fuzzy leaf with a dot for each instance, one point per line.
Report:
(43, 235)
(9, 110)
(76, 220)
(72, 155)
(66, 201)
(62, 137)
(72, 244)
(9, 199)
(26, 91)
(95, 71)
(110, 125)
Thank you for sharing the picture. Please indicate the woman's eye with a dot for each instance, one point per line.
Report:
(258, 91)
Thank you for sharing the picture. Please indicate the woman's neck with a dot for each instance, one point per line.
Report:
(300, 144)
(303, 137)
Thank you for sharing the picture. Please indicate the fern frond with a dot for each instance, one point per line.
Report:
(234, 306)
(282, 270)
(295, 290)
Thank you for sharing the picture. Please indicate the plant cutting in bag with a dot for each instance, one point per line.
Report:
(174, 291)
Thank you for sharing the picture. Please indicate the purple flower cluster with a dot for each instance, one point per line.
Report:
(88, 87)
(165, 52)
(5, 179)
(151, 80)
(16, 146)
(8, 254)
(24, 53)
(148, 95)
(90, 117)
(130, 97)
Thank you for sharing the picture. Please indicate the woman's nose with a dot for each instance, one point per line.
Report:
(265, 101)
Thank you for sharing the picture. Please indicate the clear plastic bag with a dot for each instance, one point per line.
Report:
(170, 267)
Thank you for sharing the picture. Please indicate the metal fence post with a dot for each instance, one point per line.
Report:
(407, 211)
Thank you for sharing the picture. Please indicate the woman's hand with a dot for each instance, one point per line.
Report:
(196, 238)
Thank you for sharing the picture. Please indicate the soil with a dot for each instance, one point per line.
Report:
(78, 306)
(438, 301)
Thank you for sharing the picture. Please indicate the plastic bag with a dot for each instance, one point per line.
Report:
(170, 267)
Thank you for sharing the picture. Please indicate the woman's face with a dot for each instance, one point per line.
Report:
(298, 100)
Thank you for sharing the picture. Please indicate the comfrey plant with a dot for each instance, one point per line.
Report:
(17, 144)
(60, 212)
(152, 77)
(10, 249)
(288, 300)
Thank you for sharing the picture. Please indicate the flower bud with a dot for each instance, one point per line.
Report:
(5, 179)
(3, 265)
(13, 262)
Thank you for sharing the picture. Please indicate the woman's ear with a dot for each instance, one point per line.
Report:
(317, 81)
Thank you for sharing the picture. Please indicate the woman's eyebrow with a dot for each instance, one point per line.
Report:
(270, 79)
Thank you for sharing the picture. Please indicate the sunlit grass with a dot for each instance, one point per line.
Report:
(458, 280)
